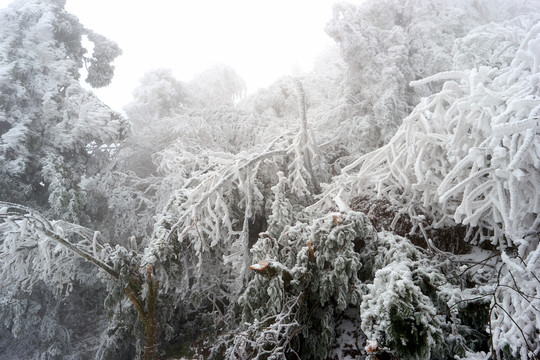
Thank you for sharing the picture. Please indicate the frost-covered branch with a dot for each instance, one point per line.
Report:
(466, 155)
(230, 175)
(271, 336)
(515, 306)
(211, 220)
(22, 227)
(303, 150)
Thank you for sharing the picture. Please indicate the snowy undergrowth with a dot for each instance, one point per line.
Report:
(317, 273)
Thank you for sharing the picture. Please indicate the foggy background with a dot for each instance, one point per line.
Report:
(261, 40)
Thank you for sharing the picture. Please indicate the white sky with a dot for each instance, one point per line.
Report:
(261, 39)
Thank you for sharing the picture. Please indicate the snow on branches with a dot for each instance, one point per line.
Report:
(216, 213)
(469, 154)
(397, 311)
(304, 278)
(515, 307)
(53, 131)
(34, 249)
(37, 251)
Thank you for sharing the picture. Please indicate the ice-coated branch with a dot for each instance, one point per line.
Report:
(302, 108)
(73, 248)
(259, 341)
(467, 155)
(44, 227)
(230, 175)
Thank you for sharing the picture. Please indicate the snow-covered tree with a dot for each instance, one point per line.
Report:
(468, 155)
(230, 226)
(277, 100)
(480, 129)
(220, 204)
(397, 312)
(387, 44)
(56, 256)
(52, 131)
(172, 137)
(304, 279)
(159, 95)
(219, 85)
(54, 135)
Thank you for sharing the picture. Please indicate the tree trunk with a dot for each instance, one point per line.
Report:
(147, 314)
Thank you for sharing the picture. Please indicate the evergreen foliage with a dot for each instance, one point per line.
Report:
(306, 278)
(235, 224)
(53, 133)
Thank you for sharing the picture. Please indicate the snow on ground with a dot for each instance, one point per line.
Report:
(350, 340)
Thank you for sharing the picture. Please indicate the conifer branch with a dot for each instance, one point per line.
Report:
(46, 228)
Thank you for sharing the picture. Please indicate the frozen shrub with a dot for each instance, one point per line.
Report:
(397, 312)
(291, 304)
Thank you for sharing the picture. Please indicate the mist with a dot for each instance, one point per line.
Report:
(269, 181)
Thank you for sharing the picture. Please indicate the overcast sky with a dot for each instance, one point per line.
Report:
(261, 40)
